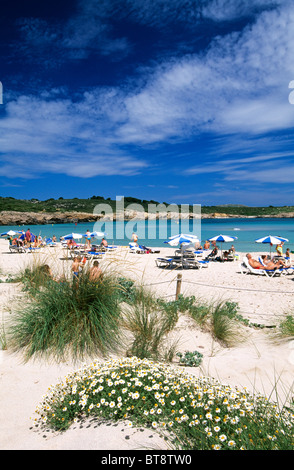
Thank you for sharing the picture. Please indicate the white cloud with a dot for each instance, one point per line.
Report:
(39, 136)
(239, 86)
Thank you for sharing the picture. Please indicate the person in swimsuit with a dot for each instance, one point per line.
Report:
(269, 266)
(77, 266)
(95, 272)
(88, 238)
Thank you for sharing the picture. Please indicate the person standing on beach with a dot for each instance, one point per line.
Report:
(28, 237)
(88, 238)
(279, 249)
(135, 238)
(77, 267)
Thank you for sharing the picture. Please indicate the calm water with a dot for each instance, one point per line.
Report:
(154, 233)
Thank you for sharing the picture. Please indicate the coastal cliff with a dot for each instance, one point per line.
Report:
(43, 218)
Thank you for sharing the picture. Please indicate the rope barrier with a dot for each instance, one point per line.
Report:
(219, 287)
(239, 288)
(180, 281)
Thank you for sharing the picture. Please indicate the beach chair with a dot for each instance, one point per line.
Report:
(193, 263)
(171, 263)
(245, 268)
(230, 257)
(16, 249)
(91, 255)
(265, 272)
(134, 248)
(285, 270)
(50, 242)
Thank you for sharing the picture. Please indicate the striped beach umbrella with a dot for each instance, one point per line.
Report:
(182, 238)
(95, 234)
(271, 240)
(222, 239)
(71, 236)
(10, 233)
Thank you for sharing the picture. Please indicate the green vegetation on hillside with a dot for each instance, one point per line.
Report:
(88, 205)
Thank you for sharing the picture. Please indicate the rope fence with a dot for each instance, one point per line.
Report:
(179, 282)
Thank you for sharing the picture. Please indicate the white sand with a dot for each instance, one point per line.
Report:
(260, 363)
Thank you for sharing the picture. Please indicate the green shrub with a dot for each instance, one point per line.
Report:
(68, 318)
(148, 324)
(286, 327)
(193, 413)
(190, 359)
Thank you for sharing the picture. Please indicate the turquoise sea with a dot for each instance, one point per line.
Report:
(153, 233)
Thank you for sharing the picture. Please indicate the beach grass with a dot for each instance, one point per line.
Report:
(80, 318)
(149, 324)
(286, 327)
(67, 318)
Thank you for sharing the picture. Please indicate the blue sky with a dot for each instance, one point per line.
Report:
(179, 101)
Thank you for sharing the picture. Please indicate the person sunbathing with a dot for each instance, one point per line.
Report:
(269, 266)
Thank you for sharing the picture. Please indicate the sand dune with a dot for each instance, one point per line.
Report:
(259, 362)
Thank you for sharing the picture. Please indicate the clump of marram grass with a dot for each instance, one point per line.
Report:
(33, 277)
(68, 319)
(3, 340)
(192, 413)
(224, 323)
(148, 325)
(219, 318)
(286, 327)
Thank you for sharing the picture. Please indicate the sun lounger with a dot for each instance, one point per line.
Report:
(176, 262)
(167, 263)
(247, 269)
(16, 249)
(134, 248)
(191, 263)
(283, 270)
(95, 254)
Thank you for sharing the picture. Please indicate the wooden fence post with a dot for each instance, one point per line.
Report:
(179, 283)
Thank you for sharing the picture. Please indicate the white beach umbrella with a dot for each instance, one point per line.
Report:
(182, 238)
(10, 232)
(222, 239)
(271, 240)
(70, 236)
(96, 234)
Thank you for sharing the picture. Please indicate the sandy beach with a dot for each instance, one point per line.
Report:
(260, 362)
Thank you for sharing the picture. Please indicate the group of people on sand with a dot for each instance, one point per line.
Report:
(267, 263)
(28, 239)
(71, 244)
(214, 254)
(95, 272)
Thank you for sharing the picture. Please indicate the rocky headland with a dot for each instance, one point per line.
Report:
(43, 218)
